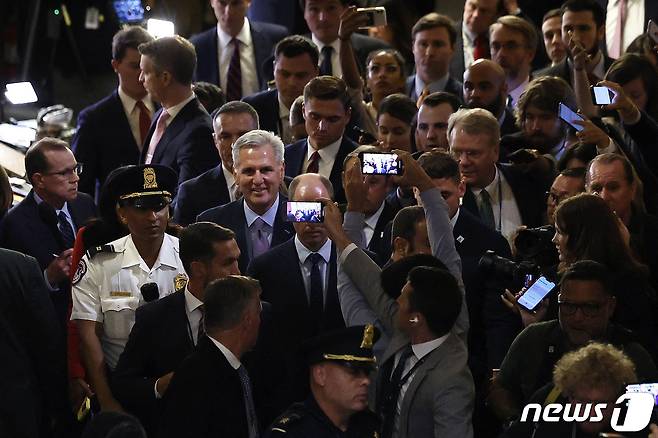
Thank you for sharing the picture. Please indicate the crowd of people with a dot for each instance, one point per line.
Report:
(165, 278)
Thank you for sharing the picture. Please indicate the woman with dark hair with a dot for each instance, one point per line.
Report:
(395, 117)
(577, 156)
(639, 79)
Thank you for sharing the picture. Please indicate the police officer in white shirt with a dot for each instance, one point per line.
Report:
(113, 280)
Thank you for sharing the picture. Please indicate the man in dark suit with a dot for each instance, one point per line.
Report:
(485, 87)
(502, 196)
(304, 300)
(166, 330)
(181, 133)
(33, 366)
(295, 64)
(216, 186)
(44, 224)
(583, 22)
(111, 132)
(326, 113)
(211, 394)
(434, 39)
(239, 75)
(259, 219)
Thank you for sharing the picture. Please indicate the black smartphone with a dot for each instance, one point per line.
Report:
(304, 211)
(376, 16)
(535, 293)
(569, 115)
(380, 163)
(602, 95)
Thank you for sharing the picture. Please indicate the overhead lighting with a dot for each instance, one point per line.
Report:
(20, 92)
(160, 28)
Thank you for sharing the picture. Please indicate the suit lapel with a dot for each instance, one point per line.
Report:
(117, 113)
(179, 313)
(332, 312)
(469, 203)
(77, 214)
(294, 158)
(147, 141)
(259, 44)
(240, 230)
(174, 128)
(282, 230)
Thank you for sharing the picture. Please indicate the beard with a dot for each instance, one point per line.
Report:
(494, 107)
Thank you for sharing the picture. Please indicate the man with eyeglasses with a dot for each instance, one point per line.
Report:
(586, 305)
(44, 224)
(568, 183)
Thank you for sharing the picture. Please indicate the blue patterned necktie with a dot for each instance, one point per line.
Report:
(252, 419)
(65, 228)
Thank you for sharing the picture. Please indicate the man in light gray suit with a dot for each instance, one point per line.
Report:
(424, 387)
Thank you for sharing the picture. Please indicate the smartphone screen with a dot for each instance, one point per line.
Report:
(651, 388)
(602, 95)
(380, 164)
(568, 115)
(376, 16)
(304, 211)
(535, 293)
(652, 30)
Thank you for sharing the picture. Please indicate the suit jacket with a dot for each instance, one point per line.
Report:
(103, 142)
(264, 37)
(562, 69)
(530, 196)
(33, 365)
(199, 194)
(453, 86)
(27, 229)
(266, 104)
(509, 123)
(457, 66)
(380, 243)
(204, 398)
(295, 156)
(232, 216)
(158, 343)
(186, 145)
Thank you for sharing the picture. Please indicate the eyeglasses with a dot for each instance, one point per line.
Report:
(556, 198)
(588, 309)
(77, 170)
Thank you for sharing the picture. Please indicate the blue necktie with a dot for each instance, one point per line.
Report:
(252, 419)
(392, 392)
(65, 228)
(325, 65)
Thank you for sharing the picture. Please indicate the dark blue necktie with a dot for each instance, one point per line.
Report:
(65, 228)
(325, 65)
(252, 419)
(316, 299)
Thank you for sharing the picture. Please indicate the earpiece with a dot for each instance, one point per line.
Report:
(414, 319)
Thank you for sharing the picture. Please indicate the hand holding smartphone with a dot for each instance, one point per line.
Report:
(304, 211)
(533, 296)
(602, 95)
(569, 116)
(380, 164)
(376, 16)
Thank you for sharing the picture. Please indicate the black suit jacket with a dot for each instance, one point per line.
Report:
(26, 229)
(232, 216)
(199, 194)
(509, 124)
(186, 145)
(204, 398)
(103, 141)
(562, 69)
(266, 104)
(159, 342)
(295, 156)
(530, 196)
(264, 37)
(453, 86)
(380, 243)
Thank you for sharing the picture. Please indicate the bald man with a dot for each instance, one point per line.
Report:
(485, 87)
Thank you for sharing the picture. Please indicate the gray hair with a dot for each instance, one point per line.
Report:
(475, 121)
(257, 138)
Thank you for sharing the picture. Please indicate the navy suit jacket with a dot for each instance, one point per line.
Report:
(26, 229)
(103, 142)
(232, 217)
(264, 37)
(295, 156)
(187, 145)
(453, 86)
(199, 194)
(266, 104)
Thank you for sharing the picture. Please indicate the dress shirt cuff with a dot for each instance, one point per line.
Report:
(346, 252)
(611, 148)
(50, 286)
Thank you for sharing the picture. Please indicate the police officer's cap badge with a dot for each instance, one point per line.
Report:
(149, 178)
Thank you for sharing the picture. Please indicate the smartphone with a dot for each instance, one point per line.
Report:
(602, 95)
(376, 16)
(304, 211)
(380, 163)
(651, 388)
(568, 115)
(535, 293)
(652, 31)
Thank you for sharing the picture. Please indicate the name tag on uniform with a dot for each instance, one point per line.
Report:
(120, 294)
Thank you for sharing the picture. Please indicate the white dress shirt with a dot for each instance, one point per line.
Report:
(305, 265)
(284, 121)
(370, 223)
(336, 69)
(131, 110)
(327, 156)
(268, 217)
(515, 94)
(194, 313)
(434, 86)
(248, 67)
(633, 24)
(230, 182)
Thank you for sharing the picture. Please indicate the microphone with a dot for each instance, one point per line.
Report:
(150, 292)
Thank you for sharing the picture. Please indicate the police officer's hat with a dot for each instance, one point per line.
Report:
(352, 346)
(149, 186)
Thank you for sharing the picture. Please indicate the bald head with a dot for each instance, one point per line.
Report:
(309, 187)
(485, 87)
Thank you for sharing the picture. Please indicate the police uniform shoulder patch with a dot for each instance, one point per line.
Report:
(91, 252)
(80, 272)
(288, 419)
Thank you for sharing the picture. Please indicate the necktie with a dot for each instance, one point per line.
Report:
(313, 163)
(485, 209)
(481, 49)
(234, 78)
(390, 403)
(252, 419)
(144, 122)
(316, 300)
(160, 127)
(65, 228)
(325, 65)
(616, 48)
(201, 330)
(259, 232)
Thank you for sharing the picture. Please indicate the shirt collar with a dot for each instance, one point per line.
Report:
(244, 36)
(284, 111)
(303, 252)
(335, 44)
(374, 218)
(228, 177)
(129, 103)
(326, 152)
(64, 208)
(268, 217)
(453, 220)
(425, 348)
(434, 86)
(228, 354)
(516, 92)
(492, 188)
(174, 110)
(167, 255)
(191, 302)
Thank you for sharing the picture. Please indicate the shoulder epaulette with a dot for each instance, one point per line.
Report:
(91, 252)
(291, 416)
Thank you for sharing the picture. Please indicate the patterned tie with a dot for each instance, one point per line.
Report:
(259, 231)
(392, 393)
(486, 210)
(144, 122)
(616, 49)
(325, 65)
(234, 78)
(481, 49)
(201, 331)
(157, 135)
(65, 228)
(252, 419)
(316, 300)
(313, 163)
